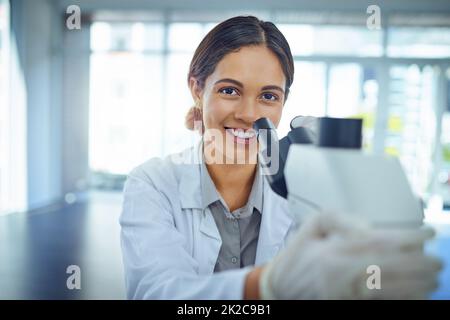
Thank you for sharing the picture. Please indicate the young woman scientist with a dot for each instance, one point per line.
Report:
(211, 227)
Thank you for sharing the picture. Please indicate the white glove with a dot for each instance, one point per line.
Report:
(328, 257)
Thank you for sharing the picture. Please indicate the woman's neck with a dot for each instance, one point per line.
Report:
(233, 182)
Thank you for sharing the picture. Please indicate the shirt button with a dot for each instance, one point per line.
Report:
(234, 260)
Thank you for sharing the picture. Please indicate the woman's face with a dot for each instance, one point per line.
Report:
(245, 86)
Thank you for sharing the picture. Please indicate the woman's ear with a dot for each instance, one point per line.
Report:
(194, 118)
(196, 91)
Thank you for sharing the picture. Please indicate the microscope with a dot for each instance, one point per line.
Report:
(320, 166)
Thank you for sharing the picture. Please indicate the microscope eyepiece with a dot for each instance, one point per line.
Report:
(340, 133)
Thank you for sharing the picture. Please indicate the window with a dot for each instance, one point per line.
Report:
(328, 40)
(125, 95)
(4, 107)
(443, 159)
(139, 94)
(307, 95)
(419, 42)
(13, 188)
(353, 92)
(411, 126)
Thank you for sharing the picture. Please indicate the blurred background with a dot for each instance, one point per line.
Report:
(80, 108)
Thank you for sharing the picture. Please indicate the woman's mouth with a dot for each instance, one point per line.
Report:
(241, 135)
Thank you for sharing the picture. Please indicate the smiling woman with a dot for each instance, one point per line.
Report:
(244, 79)
(209, 227)
(242, 70)
(229, 106)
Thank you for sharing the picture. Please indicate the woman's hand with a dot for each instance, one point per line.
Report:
(329, 256)
(251, 291)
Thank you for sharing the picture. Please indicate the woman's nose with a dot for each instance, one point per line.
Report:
(247, 112)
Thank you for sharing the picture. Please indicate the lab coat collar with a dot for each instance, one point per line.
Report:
(190, 177)
(275, 225)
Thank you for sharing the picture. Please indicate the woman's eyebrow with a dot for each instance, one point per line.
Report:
(239, 84)
(272, 88)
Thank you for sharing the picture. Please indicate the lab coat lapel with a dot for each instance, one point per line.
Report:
(187, 166)
(275, 224)
(208, 242)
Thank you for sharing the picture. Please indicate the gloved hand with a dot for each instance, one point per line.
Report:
(328, 257)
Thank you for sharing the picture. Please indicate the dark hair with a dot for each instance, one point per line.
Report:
(233, 34)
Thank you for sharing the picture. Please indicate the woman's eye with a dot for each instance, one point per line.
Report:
(269, 96)
(228, 91)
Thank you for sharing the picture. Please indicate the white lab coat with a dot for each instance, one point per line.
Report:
(170, 246)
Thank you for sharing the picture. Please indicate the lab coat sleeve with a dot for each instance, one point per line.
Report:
(156, 262)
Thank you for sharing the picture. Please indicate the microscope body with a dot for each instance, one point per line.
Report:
(372, 188)
(322, 168)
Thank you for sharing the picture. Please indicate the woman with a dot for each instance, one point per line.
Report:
(205, 225)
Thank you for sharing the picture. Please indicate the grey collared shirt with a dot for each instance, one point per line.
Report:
(238, 229)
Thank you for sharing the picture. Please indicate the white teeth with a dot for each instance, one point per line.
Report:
(235, 132)
(242, 134)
